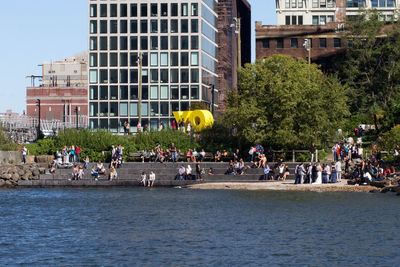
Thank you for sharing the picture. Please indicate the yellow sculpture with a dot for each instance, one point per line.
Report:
(199, 119)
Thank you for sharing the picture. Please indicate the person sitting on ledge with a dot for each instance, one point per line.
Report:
(75, 172)
(211, 171)
(152, 178)
(100, 168)
(181, 173)
(231, 168)
(143, 179)
(113, 173)
(94, 173)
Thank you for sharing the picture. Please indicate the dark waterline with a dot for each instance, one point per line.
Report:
(179, 227)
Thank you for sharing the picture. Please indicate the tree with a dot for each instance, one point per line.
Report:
(284, 102)
(371, 67)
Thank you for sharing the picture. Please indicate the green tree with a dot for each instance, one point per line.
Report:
(371, 68)
(284, 102)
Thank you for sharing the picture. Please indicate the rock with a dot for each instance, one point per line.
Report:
(375, 191)
(9, 183)
(6, 176)
(386, 189)
(2, 183)
(381, 184)
(21, 172)
(42, 170)
(15, 177)
(35, 172)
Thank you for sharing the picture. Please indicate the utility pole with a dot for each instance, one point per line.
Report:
(39, 116)
(239, 47)
(76, 117)
(140, 58)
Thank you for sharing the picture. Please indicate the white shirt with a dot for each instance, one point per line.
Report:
(152, 176)
(338, 166)
(189, 170)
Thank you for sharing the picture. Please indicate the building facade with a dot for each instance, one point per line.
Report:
(320, 22)
(234, 44)
(168, 49)
(62, 93)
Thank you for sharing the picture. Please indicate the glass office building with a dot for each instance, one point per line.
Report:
(178, 48)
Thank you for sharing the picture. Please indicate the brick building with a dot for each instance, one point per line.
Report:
(320, 22)
(234, 24)
(62, 91)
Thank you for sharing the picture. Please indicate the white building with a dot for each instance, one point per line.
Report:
(177, 41)
(320, 12)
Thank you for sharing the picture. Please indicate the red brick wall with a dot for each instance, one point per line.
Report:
(54, 100)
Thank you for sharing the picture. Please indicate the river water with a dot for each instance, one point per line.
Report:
(181, 227)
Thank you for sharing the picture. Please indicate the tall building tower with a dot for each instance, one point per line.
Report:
(148, 59)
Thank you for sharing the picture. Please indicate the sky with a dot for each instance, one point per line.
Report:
(34, 32)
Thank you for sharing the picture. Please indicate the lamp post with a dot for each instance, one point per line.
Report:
(139, 61)
(76, 117)
(39, 116)
(307, 46)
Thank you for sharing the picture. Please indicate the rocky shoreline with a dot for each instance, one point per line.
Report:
(11, 174)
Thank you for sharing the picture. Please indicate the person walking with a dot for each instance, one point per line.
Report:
(24, 152)
(338, 168)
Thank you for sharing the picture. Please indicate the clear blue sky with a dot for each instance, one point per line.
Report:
(33, 32)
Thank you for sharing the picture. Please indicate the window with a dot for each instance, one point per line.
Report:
(123, 59)
(113, 43)
(113, 59)
(184, 59)
(184, 26)
(153, 26)
(93, 26)
(174, 59)
(287, 20)
(164, 26)
(154, 76)
(134, 43)
(184, 42)
(337, 42)
(294, 20)
(93, 60)
(103, 60)
(133, 10)
(94, 93)
(103, 43)
(174, 10)
(113, 10)
(123, 76)
(195, 9)
(184, 10)
(123, 43)
(143, 43)
(184, 92)
(153, 59)
(164, 42)
(279, 43)
(123, 109)
(154, 42)
(174, 76)
(123, 28)
(194, 92)
(322, 42)
(164, 92)
(103, 26)
(184, 75)
(194, 42)
(154, 92)
(265, 43)
(194, 59)
(315, 20)
(163, 59)
(194, 76)
(174, 92)
(143, 26)
(143, 10)
(174, 25)
(300, 20)
(103, 10)
(194, 26)
(164, 10)
(123, 92)
(93, 11)
(134, 26)
(153, 8)
(294, 43)
(123, 10)
(164, 76)
(174, 43)
(93, 76)
(93, 43)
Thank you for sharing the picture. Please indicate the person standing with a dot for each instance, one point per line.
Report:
(24, 152)
(338, 168)
(198, 172)
(312, 152)
(152, 178)
(319, 174)
(172, 150)
(78, 153)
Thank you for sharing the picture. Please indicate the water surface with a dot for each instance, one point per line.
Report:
(180, 227)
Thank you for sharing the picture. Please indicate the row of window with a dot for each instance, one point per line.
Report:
(142, 43)
(294, 42)
(144, 26)
(143, 10)
(322, 20)
(163, 59)
(114, 76)
(154, 92)
(315, 3)
(294, 20)
(117, 125)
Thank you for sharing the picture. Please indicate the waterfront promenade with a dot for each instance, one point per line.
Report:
(129, 175)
